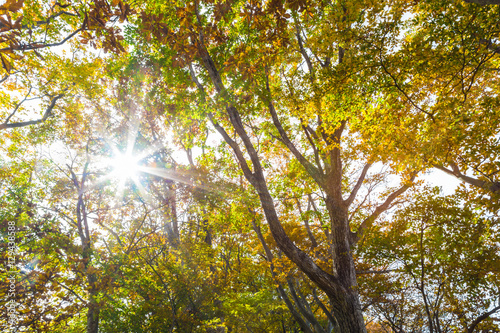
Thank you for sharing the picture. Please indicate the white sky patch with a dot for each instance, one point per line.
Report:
(439, 178)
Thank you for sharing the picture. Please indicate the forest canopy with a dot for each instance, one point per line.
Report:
(250, 166)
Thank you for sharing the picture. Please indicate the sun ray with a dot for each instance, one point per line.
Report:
(174, 176)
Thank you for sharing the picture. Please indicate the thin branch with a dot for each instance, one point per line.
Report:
(314, 243)
(18, 105)
(5, 78)
(47, 114)
(356, 188)
(314, 147)
(269, 257)
(324, 308)
(408, 98)
(304, 307)
(82, 191)
(355, 237)
(304, 52)
(36, 46)
(490, 186)
(71, 291)
(221, 130)
(310, 168)
(385, 271)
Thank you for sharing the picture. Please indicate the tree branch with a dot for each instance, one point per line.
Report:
(36, 46)
(355, 237)
(489, 186)
(408, 98)
(239, 154)
(304, 52)
(304, 308)
(310, 168)
(481, 318)
(18, 105)
(356, 188)
(314, 243)
(306, 130)
(269, 256)
(47, 113)
(385, 271)
(306, 264)
(484, 2)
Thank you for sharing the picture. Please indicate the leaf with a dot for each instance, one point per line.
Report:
(5, 63)
(12, 5)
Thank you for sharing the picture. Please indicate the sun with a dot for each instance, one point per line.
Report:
(124, 166)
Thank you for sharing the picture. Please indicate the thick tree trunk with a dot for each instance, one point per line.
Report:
(93, 317)
(347, 311)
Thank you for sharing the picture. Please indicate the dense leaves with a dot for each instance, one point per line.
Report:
(213, 166)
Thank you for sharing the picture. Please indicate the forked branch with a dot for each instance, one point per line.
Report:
(355, 237)
(356, 188)
(310, 168)
(47, 114)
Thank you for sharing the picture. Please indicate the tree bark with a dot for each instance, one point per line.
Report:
(347, 311)
(93, 317)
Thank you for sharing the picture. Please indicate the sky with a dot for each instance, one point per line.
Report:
(447, 182)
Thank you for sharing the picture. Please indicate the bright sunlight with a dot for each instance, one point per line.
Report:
(125, 166)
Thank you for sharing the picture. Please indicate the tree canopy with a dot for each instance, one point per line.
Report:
(249, 166)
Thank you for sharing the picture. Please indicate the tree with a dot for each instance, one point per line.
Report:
(444, 277)
(441, 111)
(336, 107)
(37, 73)
(236, 70)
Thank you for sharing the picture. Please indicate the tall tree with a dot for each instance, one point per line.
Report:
(329, 110)
(232, 53)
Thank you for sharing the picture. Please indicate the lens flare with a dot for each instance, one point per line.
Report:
(124, 166)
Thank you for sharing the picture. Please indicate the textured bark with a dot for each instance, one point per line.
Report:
(93, 317)
(347, 311)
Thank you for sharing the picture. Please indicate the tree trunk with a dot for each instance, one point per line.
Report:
(93, 316)
(347, 311)
(92, 306)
